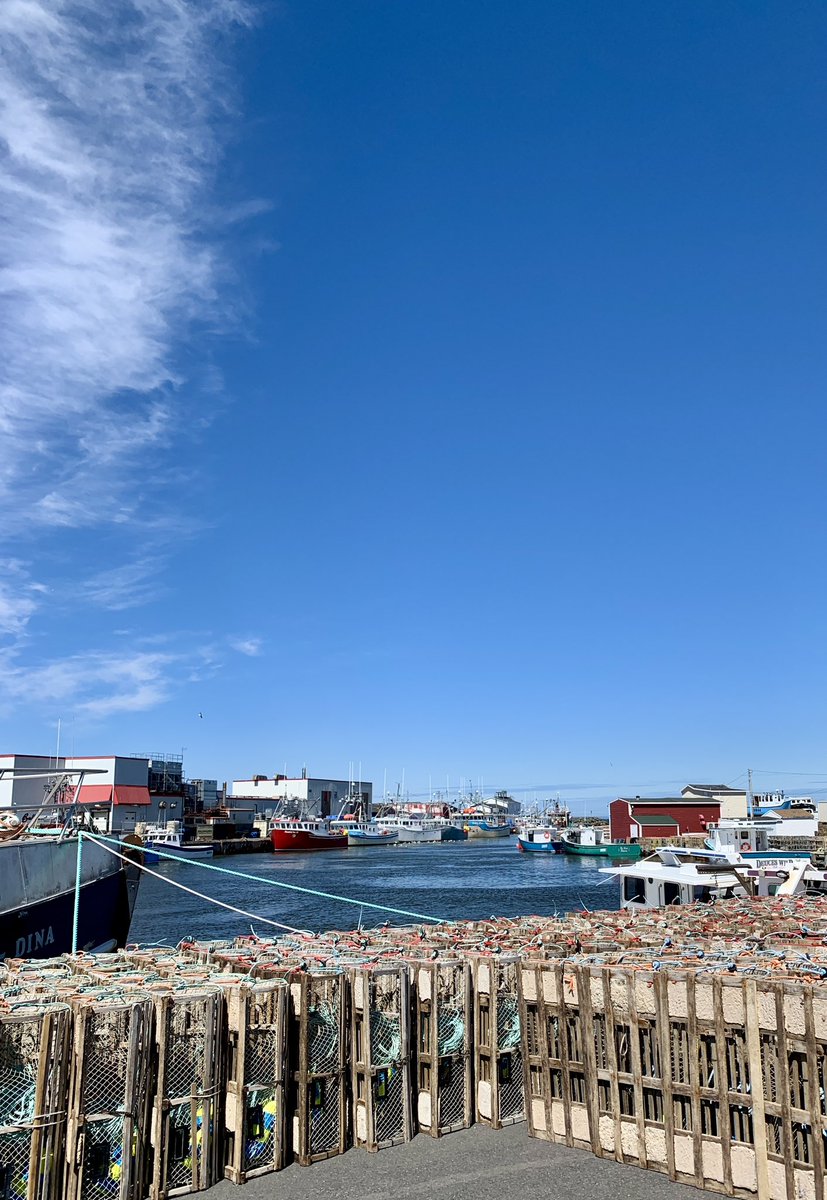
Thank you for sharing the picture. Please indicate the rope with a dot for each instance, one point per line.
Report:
(294, 887)
(192, 892)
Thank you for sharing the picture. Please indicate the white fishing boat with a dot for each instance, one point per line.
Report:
(736, 860)
(169, 840)
(412, 829)
(364, 833)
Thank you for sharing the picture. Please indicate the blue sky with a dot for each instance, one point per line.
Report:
(437, 387)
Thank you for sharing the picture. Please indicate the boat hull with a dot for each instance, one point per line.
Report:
(37, 894)
(305, 839)
(529, 847)
(364, 837)
(452, 833)
(489, 831)
(420, 835)
(184, 852)
(625, 850)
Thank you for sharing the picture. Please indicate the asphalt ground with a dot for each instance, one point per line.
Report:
(475, 1164)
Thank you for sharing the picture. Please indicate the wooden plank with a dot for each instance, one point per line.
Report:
(814, 1091)
(564, 1054)
(611, 1052)
(637, 1068)
(665, 1042)
(584, 994)
(756, 1075)
(722, 1082)
(783, 1069)
(694, 1079)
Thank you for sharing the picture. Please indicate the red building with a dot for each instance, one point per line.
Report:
(662, 817)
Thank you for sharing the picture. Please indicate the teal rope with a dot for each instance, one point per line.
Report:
(76, 914)
(293, 887)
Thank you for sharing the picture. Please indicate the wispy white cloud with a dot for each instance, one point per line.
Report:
(108, 117)
(96, 684)
(249, 646)
(126, 586)
(99, 684)
(20, 597)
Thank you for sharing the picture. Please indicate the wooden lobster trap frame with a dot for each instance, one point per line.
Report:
(381, 1056)
(444, 1042)
(34, 1063)
(255, 1110)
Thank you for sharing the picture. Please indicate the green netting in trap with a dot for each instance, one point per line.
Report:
(17, 1096)
(450, 1031)
(385, 1039)
(323, 1049)
(508, 1022)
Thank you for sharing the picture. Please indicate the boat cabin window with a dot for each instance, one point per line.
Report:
(671, 893)
(634, 889)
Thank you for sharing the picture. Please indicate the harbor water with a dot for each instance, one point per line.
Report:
(450, 881)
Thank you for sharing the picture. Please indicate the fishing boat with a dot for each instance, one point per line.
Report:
(364, 833)
(735, 860)
(38, 876)
(488, 827)
(451, 830)
(593, 840)
(540, 839)
(412, 829)
(169, 839)
(305, 833)
(541, 831)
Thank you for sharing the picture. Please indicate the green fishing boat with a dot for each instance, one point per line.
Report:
(585, 839)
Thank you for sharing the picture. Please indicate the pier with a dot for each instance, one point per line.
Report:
(689, 1041)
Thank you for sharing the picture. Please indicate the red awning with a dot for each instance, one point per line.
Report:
(128, 794)
(94, 793)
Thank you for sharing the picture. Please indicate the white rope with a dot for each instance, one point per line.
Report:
(192, 892)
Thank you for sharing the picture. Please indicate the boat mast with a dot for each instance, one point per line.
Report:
(749, 792)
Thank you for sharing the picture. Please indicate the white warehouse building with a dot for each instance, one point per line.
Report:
(315, 797)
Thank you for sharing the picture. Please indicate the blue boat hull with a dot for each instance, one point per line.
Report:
(539, 847)
(44, 929)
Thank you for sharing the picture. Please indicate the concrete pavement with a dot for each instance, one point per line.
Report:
(475, 1164)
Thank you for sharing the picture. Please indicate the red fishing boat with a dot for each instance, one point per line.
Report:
(306, 833)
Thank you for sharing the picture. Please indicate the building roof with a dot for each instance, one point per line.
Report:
(642, 801)
(656, 819)
(722, 789)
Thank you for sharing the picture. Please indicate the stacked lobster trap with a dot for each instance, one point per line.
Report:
(187, 1114)
(319, 1044)
(498, 1060)
(109, 1099)
(34, 1065)
(716, 1079)
(444, 1039)
(692, 1042)
(380, 1056)
(255, 1109)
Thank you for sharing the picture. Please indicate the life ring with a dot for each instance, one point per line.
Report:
(745, 845)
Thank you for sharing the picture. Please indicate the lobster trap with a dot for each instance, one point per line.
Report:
(187, 1138)
(498, 1059)
(109, 1099)
(714, 1080)
(444, 1031)
(381, 1053)
(255, 1123)
(34, 1065)
(318, 1046)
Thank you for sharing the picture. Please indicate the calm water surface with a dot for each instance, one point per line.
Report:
(448, 880)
